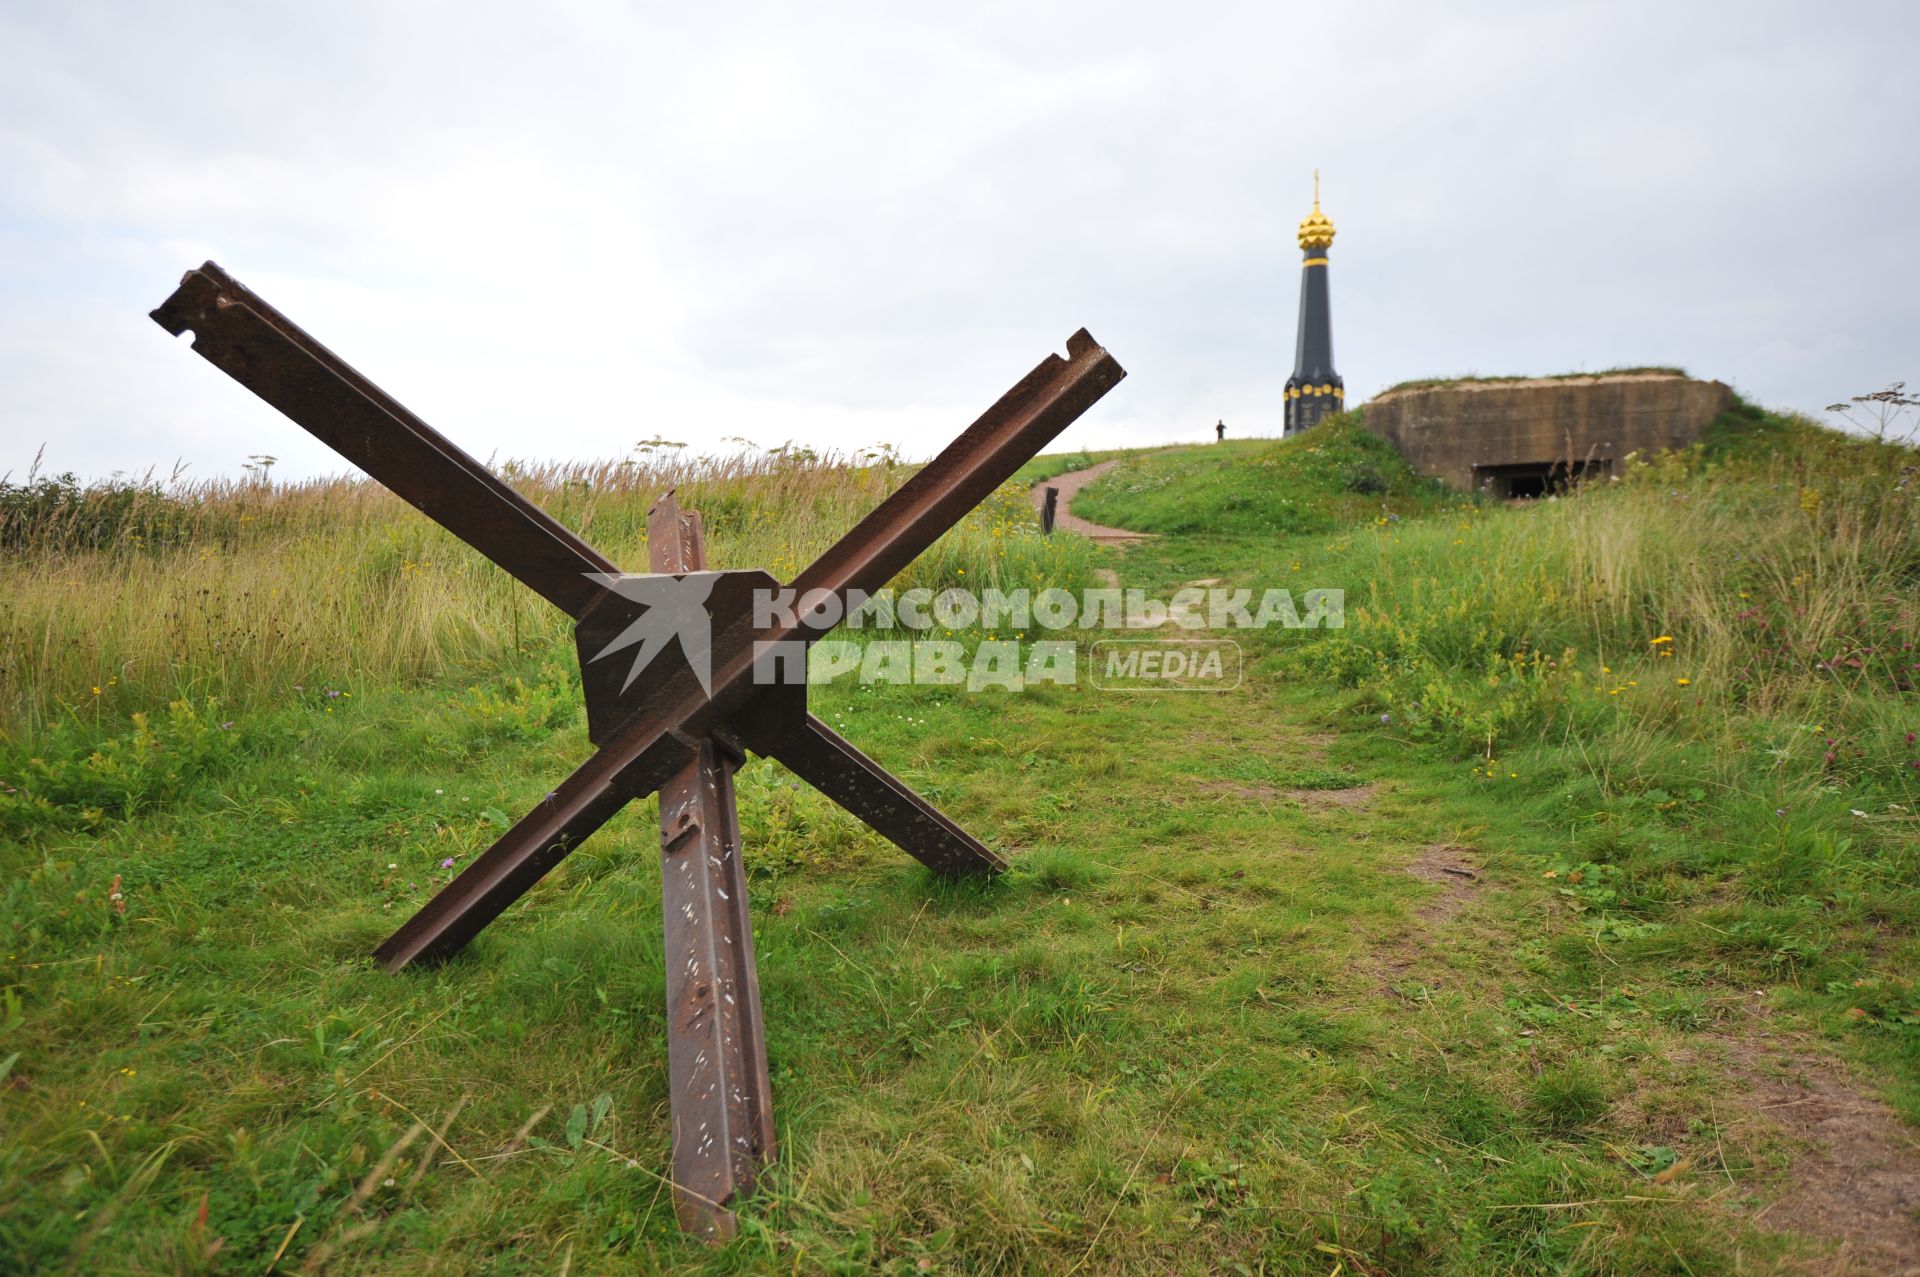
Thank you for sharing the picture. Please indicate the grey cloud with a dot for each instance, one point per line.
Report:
(555, 233)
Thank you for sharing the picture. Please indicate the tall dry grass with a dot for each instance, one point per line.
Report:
(1778, 581)
(1779, 570)
(239, 589)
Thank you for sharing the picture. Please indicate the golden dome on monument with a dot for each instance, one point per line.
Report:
(1316, 229)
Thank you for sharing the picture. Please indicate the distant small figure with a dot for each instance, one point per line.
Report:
(1219, 432)
(1049, 509)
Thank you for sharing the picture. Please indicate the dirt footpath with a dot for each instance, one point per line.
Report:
(1064, 518)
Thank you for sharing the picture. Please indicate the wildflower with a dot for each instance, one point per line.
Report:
(447, 863)
(1683, 681)
(1386, 718)
(1664, 638)
(96, 691)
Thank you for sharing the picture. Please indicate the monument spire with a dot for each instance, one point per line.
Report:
(1315, 389)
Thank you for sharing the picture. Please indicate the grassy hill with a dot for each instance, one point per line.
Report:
(1506, 929)
(1332, 478)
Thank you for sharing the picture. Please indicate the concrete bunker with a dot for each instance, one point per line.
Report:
(1526, 438)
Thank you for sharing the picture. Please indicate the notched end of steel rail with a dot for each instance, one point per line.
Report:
(199, 291)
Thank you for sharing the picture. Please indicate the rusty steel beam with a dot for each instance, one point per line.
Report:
(833, 765)
(632, 759)
(720, 1094)
(1006, 437)
(263, 350)
(539, 840)
(649, 732)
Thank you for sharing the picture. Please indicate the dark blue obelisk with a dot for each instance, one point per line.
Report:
(1315, 389)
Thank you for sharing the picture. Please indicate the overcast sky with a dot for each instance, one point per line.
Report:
(556, 230)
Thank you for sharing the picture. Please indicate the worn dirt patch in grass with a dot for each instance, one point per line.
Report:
(1456, 871)
(1858, 1183)
(1314, 745)
(1311, 799)
(1320, 799)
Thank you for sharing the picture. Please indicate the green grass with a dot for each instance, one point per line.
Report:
(1705, 676)
(1208, 1023)
(113, 603)
(1330, 477)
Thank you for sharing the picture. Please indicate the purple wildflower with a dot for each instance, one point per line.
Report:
(447, 863)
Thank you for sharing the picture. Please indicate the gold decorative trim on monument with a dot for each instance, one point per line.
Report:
(1316, 229)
